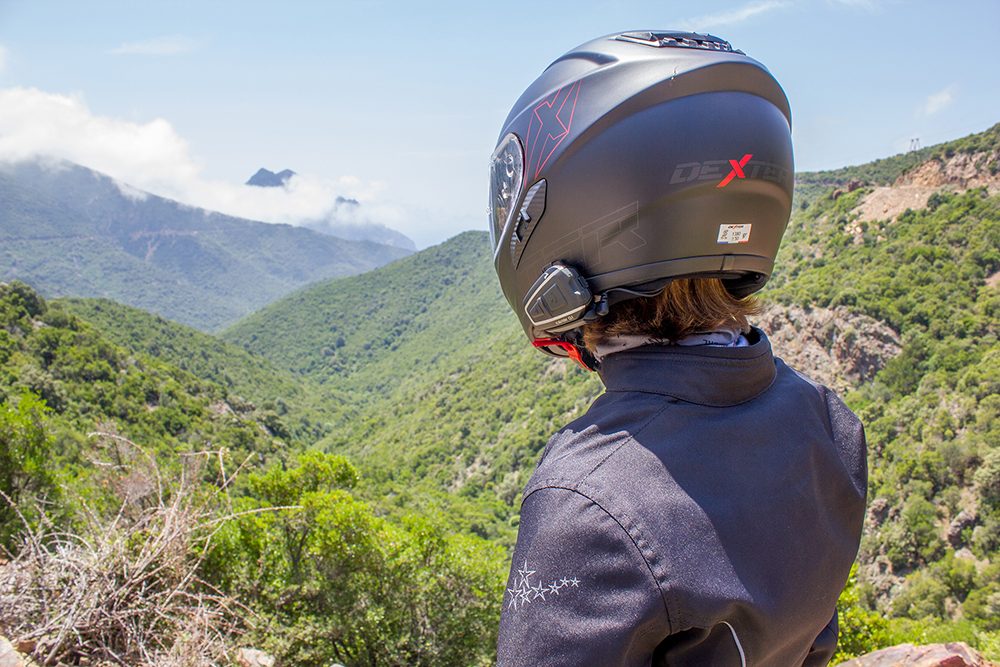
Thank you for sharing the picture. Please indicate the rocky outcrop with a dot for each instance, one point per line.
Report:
(965, 519)
(957, 173)
(832, 346)
(961, 171)
(888, 203)
(957, 654)
(251, 657)
(9, 656)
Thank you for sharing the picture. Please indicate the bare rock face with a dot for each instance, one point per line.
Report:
(912, 190)
(832, 346)
(888, 203)
(965, 519)
(961, 171)
(957, 654)
(251, 657)
(9, 657)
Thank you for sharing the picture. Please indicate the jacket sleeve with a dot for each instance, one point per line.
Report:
(579, 591)
(824, 646)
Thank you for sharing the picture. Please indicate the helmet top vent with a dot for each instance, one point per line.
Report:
(685, 40)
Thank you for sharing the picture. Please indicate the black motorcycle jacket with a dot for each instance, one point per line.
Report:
(705, 512)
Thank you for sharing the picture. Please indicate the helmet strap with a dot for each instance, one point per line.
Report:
(578, 354)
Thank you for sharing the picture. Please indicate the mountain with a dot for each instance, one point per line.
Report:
(68, 230)
(268, 179)
(368, 231)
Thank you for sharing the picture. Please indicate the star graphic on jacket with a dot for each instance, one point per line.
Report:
(524, 591)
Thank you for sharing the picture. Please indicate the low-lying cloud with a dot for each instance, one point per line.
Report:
(154, 158)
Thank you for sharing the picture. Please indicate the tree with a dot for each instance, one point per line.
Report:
(24, 458)
(334, 582)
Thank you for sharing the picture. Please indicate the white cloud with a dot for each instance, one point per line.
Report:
(733, 16)
(167, 45)
(154, 158)
(938, 101)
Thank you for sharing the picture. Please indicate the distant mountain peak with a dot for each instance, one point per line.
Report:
(268, 179)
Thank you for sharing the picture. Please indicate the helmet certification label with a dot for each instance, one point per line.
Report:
(734, 233)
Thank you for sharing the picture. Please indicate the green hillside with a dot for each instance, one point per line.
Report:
(90, 384)
(418, 372)
(811, 185)
(70, 231)
(455, 406)
(931, 414)
(452, 406)
(148, 513)
(373, 332)
(286, 402)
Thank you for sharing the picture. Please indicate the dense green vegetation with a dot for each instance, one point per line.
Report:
(86, 383)
(811, 185)
(449, 406)
(284, 400)
(67, 230)
(319, 574)
(378, 330)
(336, 583)
(420, 375)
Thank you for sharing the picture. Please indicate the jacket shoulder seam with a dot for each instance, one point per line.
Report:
(621, 518)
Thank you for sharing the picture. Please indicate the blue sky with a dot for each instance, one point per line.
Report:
(398, 104)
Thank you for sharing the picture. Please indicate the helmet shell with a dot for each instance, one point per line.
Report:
(656, 155)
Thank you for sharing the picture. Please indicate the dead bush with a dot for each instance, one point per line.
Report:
(125, 588)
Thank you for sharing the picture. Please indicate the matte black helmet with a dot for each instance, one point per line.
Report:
(635, 159)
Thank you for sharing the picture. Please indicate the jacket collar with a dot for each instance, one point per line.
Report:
(706, 375)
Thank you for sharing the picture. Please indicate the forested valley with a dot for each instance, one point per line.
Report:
(336, 477)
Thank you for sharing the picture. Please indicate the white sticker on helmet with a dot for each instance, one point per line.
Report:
(734, 233)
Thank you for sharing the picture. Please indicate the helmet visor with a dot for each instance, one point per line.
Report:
(506, 182)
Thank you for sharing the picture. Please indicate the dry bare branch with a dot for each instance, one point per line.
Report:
(129, 590)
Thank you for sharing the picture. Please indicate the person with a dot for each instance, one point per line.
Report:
(708, 507)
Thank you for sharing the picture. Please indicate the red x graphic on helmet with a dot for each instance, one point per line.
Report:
(737, 170)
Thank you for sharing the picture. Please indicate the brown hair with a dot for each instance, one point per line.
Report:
(685, 306)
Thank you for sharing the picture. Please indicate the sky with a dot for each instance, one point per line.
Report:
(398, 104)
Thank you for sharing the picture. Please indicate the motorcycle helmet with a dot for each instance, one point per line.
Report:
(633, 160)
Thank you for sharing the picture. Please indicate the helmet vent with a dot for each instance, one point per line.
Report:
(684, 40)
(531, 211)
